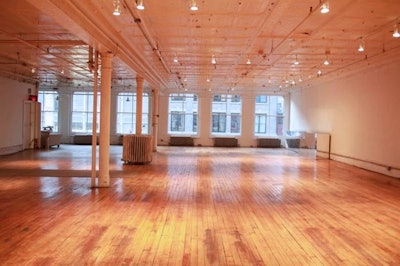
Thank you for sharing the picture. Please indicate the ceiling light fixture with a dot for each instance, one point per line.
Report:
(33, 70)
(396, 33)
(208, 79)
(140, 5)
(117, 8)
(326, 62)
(296, 62)
(325, 8)
(213, 60)
(248, 62)
(319, 72)
(175, 59)
(194, 6)
(361, 47)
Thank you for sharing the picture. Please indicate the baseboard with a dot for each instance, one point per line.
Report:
(371, 166)
(10, 149)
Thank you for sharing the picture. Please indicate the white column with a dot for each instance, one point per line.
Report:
(139, 104)
(155, 118)
(105, 103)
(94, 121)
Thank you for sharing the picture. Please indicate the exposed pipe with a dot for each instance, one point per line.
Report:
(94, 121)
(45, 51)
(147, 36)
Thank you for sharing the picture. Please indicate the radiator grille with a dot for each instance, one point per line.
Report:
(137, 149)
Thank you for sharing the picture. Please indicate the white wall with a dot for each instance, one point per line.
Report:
(13, 95)
(362, 114)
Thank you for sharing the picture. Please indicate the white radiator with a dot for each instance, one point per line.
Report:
(137, 149)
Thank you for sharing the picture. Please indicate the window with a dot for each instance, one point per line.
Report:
(261, 124)
(177, 121)
(268, 115)
(226, 114)
(182, 114)
(82, 112)
(219, 122)
(261, 98)
(177, 97)
(126, 113)
(235, 123)
(49, 113)
(195, 120)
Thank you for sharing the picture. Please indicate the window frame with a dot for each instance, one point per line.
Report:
(55, 112)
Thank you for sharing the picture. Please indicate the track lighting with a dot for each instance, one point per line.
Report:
(193, 6)
(396, 33)
(117, 8)
(140, 5)
(213, 60)
(325, 8)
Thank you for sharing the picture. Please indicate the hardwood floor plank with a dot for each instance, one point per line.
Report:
(196, 206)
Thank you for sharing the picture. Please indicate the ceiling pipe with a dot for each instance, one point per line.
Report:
(46, 51)
(136, 17)
(86, 26)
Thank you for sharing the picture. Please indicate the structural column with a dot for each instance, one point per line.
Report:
(105, 106)
(155, 118)
(139, 104)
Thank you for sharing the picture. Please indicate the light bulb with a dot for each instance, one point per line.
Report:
(194, 6)
(396, 33)
(213, 60)
(140, 5)
(117, 8)
(325, 8)
(361, 48)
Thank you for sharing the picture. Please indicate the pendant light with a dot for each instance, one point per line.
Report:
(117, 8)
(325, 8)
(396, 33)
(194, 6)
(213, 60)
(296, 62)
(140, 5)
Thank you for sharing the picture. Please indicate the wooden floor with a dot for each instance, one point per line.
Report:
(196, 206)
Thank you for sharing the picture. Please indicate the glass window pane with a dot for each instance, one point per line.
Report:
(126, 113)
(182, 113)
(49, 112)
(269, 115)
